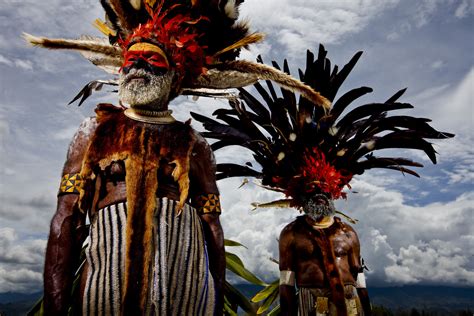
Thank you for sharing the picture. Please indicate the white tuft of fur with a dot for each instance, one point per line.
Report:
(33, 40)
(136, 4)
(231, 9)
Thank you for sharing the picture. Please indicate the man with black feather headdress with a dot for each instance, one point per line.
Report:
(310, 152)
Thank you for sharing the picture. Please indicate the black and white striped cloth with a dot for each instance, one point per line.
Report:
(181, 283)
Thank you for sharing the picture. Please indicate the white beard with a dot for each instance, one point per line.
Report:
(317, 209)
(153, 92)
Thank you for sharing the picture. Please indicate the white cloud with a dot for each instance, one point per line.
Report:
(297, 24)
(5, 61)
(20, 63)
(438, 64)
(413, 244)
(451, 111)
(464, 9)
(20, 280)
(21, 262)
(436, 262)
(24, 64)
(425, 10)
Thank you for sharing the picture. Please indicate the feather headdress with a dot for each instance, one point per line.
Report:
(303, 149)
(201, 37)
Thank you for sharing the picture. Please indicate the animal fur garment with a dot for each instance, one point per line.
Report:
(241, 73)
(91, 44)
(141, 147)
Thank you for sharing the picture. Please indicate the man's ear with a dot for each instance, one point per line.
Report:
(241, 73)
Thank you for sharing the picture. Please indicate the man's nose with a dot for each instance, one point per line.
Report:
(140, 63)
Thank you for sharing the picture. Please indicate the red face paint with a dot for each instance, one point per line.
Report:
(154, 59)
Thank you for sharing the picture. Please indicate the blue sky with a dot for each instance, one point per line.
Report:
(413, 231)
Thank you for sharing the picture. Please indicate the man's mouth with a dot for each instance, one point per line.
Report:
(137, 78)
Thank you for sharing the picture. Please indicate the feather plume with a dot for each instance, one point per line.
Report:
(283, 203)
(104, 28)
(297, 133)
(244, 42)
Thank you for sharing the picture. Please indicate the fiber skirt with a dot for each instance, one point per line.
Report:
(181, 283)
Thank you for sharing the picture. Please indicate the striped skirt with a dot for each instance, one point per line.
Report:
(181, 283)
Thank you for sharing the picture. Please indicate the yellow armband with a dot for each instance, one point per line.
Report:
(71, 183)
(207, 203)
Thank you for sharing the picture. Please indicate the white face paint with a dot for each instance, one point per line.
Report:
(142, 89)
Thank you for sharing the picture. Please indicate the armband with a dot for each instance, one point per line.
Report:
(71, 183)
(287, 277)
(360, 283)
(207, 203)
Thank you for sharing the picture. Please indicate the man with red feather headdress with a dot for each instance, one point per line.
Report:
(146, 181)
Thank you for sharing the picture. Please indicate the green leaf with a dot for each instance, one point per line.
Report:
(231, 243)
(268, 302)
(229, 310)
(37, 309)
(234, 296)
(276, 311)
(234, 264)
(266, 292)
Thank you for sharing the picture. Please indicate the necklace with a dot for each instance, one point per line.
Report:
(325, 223)
(149, 116)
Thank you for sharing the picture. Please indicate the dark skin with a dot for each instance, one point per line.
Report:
(66, 236)
(299, 253)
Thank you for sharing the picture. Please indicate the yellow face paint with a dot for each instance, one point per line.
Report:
(147, 47)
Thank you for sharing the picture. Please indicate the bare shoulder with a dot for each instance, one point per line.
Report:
(349, 231)
(79, 144)
(203, 151)
(344, 226)
(288, 231)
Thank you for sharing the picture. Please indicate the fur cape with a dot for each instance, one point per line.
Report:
(141, 147)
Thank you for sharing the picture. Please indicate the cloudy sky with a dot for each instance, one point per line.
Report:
(413, 231)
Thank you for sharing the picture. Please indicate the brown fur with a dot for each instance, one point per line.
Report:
(141, 146)
(241, 73)
(90, 44)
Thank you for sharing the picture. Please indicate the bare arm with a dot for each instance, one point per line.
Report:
(66, 235)
(204, 188)
(356, 268)
(215, 243)
(288, 302)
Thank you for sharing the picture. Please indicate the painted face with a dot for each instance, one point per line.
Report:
(318, 206)
(146, 79)
(150, 61)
